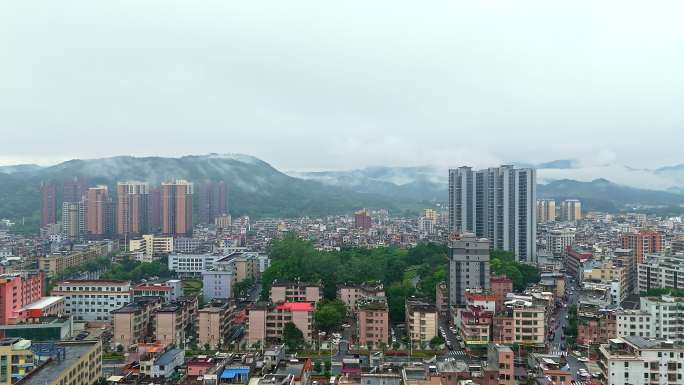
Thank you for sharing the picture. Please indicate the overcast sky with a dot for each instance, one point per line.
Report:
(319, 85)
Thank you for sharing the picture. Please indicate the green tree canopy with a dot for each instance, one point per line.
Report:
(503, 263)
(293, 337)
(403, 272)
(329, 315)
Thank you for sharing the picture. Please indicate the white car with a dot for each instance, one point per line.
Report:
(582, 359)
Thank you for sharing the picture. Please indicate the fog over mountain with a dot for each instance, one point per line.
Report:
(259, 189)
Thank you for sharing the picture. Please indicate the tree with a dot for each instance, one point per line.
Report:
(436, 341)
(503, 263)
(329, 315)
(241, 289)
(317, 366)
(293, 337)
(119, 348)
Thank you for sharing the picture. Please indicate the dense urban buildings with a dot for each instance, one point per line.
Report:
(498, 204)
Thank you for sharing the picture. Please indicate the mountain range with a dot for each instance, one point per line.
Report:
(258, 189)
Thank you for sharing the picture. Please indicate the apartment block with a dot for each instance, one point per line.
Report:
(134, 322)
(151, 246)
(173, 321)
(660, 271)
(422, 320)
(666, 316)
(442, 299)
(475, 324)
(80, 363)
(73, 220)
(597, 326)
(609, 273)
(546, 210)
(558, 240)
(634, 323)
(372, 319)
(93, 300)
(351, 295)
(529, 322)
(18, 290)
(571, 210)
(176, 208)
(266, 322)
(219, 280)
(191, 265)
(642, 242)
(468, 266)
(638, 361)
(500, 361)
(53, 264)
(98, 212)
(296, 292)
(16, 360)
(169, 291)
(48, 204)
(213, 323)
(132, 208)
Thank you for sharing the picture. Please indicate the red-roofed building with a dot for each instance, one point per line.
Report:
(266, 323)
(574, 259)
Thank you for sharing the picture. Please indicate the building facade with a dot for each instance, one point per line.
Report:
(422, 321)
(643, 242)
(373, 322)
(571, 210)
(637, 361)
(93, 300)
(132, 208)
(468, 266)
(48, 204)
(98, 212)
(176, 208)
(546, 210)
(18, 290)
(296, 292)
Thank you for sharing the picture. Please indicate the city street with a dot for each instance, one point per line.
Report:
(555, 346)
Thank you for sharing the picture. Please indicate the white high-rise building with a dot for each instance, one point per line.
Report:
(498, 204)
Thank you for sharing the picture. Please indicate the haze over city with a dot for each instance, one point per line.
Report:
(308, 85)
